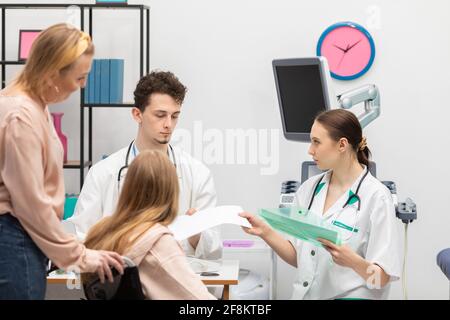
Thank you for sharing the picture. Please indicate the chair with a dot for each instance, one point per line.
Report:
(443, 261)
(125, 287)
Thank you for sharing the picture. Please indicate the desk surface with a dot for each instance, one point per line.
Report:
(228, 274)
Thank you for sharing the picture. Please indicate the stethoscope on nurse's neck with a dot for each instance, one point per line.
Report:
(132, 147)
(350, 198)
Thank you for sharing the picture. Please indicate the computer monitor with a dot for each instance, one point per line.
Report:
(304, 90)
(310, 169)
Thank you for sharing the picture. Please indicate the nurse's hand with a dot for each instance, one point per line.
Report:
(259, 227)
(191, 211)
(372, 273)
(342, 255)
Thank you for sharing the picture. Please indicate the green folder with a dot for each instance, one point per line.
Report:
(301, 224)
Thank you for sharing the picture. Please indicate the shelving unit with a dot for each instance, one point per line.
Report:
(85, 9)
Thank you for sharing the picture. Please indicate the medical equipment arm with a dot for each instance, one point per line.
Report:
(407, 212)
(370, 95)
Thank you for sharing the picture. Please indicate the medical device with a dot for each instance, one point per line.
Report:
(287, 200)
(407, 212)
(287, 196)
(303, 87)
(304, 90)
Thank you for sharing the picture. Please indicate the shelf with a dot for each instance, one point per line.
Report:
(75, 164)
(108, 105)
(65, 5)
(11, 62)
(86, 13)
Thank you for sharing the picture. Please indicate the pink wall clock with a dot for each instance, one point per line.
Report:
(349, 49)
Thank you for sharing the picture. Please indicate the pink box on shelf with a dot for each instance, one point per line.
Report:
(26, 38)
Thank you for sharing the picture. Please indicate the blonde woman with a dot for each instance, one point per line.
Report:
(31, 163)
(138, 229)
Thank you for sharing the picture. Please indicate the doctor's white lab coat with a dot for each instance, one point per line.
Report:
(99, 197)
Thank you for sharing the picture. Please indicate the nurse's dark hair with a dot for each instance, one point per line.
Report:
(164, 82)
(344, 124)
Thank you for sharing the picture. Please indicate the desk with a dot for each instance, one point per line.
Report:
(228, 275)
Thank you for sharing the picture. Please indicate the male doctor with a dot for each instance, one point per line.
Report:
(158, 98)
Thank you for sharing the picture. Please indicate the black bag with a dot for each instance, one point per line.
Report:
(125, 287)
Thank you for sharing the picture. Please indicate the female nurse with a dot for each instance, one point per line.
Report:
(361, 207)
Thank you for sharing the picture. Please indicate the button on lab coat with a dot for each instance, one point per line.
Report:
(376, 240)
(99, 197)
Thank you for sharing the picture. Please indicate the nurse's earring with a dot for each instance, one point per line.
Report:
(56, 89)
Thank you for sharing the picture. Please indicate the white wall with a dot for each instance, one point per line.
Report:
(222, 50)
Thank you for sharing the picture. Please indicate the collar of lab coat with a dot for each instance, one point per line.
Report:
(337, 206)
(134, 152)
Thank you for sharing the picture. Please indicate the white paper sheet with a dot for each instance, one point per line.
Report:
(186, 226)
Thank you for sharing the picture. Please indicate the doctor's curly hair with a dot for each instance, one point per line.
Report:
(164, 82)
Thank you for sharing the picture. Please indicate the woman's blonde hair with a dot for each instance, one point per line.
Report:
(149, 195)
(54, 50)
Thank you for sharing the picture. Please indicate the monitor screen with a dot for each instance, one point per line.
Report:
(309, 169)
(302, 94)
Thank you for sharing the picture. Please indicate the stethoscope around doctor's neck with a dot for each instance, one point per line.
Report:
(133, 147)
(350, 198)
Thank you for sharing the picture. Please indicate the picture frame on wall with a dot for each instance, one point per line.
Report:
(26, 38)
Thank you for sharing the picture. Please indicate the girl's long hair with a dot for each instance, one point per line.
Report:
(149, 195)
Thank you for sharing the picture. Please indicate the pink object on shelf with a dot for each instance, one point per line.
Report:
(57, 117)
(238, 243)
(26, 39)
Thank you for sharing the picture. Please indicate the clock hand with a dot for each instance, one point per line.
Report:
(353, 45)
(339, 47)
(343, 56)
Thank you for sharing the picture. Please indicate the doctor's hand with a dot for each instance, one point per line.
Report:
(101, 261)
(193, 241)
(342, 255)
(191, 211)
(259, 227)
